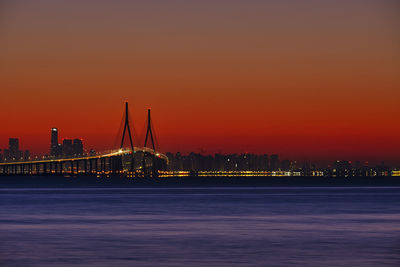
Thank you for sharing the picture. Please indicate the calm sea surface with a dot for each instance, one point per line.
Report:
(200, 227)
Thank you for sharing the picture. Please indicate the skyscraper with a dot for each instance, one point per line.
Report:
(13, 147)
(78, 147)
(55, 147)
(54, 142)
(67, 147)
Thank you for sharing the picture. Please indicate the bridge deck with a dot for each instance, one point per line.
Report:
(98, 156)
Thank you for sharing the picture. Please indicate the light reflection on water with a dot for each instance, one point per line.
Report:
(200, 227)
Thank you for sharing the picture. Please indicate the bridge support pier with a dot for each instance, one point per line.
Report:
(90, 166)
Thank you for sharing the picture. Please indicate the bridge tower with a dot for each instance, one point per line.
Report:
(152, 156)
(127, 128)
(149, 131)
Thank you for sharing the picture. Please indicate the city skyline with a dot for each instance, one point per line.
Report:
(315, 80)
(197, 160)
(133, 160)
(69, 144)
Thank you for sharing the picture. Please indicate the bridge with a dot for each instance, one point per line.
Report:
(128, 161)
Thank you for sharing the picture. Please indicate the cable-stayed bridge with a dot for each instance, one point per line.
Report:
(129, 161)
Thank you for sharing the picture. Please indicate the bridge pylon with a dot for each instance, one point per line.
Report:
(149, 132)
(127, 128)
(149, 137)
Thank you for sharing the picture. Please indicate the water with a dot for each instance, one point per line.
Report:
(200, 227)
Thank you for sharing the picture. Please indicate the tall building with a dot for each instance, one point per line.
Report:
(54, 142)
(55, 147)
(67, 148)
(13, 149)
(77, 147)
(12, 153)
(274, 162)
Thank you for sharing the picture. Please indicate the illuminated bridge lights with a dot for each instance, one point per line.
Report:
(235, 173)
(243, 173)
(98, 156)
(101, 164)
(166, 174)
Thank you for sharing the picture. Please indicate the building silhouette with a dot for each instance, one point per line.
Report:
(13, 153)
(27, 155)
(77, 147)
(13, 147)
(218, 162)
(274, 162)
(55, 147)
(67, 148)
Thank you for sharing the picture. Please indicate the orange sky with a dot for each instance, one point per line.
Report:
(305, 79)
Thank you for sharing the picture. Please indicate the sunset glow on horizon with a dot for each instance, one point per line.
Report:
(315, 80)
